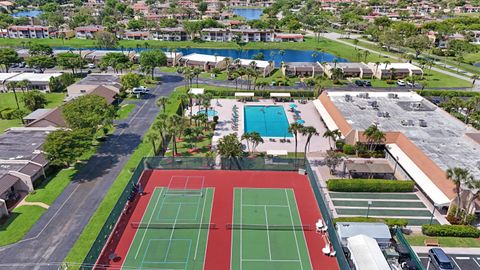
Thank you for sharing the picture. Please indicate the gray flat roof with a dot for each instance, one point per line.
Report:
(37, 114)
(443, 139)
(373, 230)
(302, 64)
(20, 145)
(100, 79)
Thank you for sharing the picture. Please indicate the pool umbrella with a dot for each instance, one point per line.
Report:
(293, 105)
(300, 121)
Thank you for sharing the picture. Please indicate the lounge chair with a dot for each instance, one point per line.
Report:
(319, 225)
(326, 250)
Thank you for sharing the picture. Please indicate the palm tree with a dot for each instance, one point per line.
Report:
(474, 79)
(309, 132)
(196, 73)
(366, 53)
(392, 73)
(184, 99)
(161, 102)
(459, 176)
(377, 64)
(386, 64)
(206, 102)
(331, 135)
(247, 137)
(230, 147)
(12, 87)
(474, 186)
(355, 42)
(256, 139)
(295, 128)
(374, 136)
(24, 85)
(173, 129)
(161, 125)
(152, 137)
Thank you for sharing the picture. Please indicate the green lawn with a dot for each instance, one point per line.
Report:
(419, 240)
(21, 220)
(49, 190)
(7, 100)
(91, 231)
(124, 111)
(189, 143)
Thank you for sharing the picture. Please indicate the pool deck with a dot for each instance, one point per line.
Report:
(307, 111)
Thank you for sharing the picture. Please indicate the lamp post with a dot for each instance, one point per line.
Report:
(368, 207)
(433, 213)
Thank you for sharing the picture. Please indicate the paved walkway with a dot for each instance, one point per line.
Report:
(52, 237)
(41, 204)
(337, 37)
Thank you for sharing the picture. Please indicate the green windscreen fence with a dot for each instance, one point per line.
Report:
(112, 219)
(263, 164)
(332, 233)
(179, 163)
(413, 255)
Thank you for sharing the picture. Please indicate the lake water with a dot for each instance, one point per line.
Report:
(269, 55)
(30, 13)
(248, 13)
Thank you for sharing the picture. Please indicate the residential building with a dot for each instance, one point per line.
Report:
(286, 37)
(87, 32)
(252, 35)
(399, 70)
(136, 35)
(302, 69)
(29, 31)
(203, 61)
(349, 70)
(420, 138)
(38, 81)
(173, 58)
(35, 115)
(378, 231)
(52, 118)
(91, 82)
(169, 34)
(265, 67)
(215, 34)
(365, 254)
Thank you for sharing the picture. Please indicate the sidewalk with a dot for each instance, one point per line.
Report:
(449, 250)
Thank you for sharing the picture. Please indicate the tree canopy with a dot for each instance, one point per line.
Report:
(63, 147)
(88, 112)
(151, 59)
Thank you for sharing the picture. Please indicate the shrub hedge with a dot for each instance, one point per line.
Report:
(390, 222)
(370, 185)
(451, 230)
(447, 93)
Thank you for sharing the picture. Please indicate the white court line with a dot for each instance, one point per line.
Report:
(208, 232)
(263, 205)
(294, 233)
(173, 230)
(233, 220)
(456, 264)
(268, 233)
(462, 258)
(241, 229)
(260, 260)
(150, 220)
(200, 226)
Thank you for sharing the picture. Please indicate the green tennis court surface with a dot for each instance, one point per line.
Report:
(173, 232)
(267, 231)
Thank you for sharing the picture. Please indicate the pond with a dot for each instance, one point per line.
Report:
(275, 55)
(29, 13)
(248, 13)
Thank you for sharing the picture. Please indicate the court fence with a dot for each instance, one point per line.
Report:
(263, 164)
(327, 218)
(104, 234)
(413, 255)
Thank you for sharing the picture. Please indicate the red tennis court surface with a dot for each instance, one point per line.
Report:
(219, 245)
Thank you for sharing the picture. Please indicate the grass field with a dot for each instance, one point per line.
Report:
(21, 220)
(124, 111)
(419, 240)
(268, 247)
(172, 247)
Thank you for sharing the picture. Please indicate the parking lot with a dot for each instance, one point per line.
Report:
(461, 261)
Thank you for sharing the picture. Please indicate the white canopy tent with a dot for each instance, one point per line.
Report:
(244, 94)
(366, 254)
(197, 91)
(279, 94)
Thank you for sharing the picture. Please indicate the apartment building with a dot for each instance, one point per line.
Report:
(87, 32)
(169, 34)
(29, 31)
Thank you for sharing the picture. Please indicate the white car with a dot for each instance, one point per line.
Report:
(91, 66)
(140, 90)
(401, 83)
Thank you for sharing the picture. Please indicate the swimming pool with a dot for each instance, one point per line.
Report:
(209, 112)
(269, 121)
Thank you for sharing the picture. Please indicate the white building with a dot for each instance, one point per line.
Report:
(365, 253)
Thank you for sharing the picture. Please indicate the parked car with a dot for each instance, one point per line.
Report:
(358, 83)
(21, 64)
(440, 260)
(91, 65)
(140, 90)
(367, 83)
(401, 83)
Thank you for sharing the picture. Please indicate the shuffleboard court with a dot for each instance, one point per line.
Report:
(173, 231)
(267, 231)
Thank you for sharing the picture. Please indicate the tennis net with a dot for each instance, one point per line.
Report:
(139, 225)
(269, 227)
(184, 192)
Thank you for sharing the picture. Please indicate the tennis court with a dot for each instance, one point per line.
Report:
(267, 231)
(173, 231)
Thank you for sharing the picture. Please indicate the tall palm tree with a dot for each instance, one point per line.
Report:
(230, 147)
(474, 186)
(184, 99)
(12, 86)
(331, 135)
(377, 64)
(309, 132)
(459, 176)
(295, 128)
(386, 63)
(162, 102)
(206, 101)
(474, 79)
(247, 136)
(152, 137)
(256, 139)
(374, 136)
(196, 73)
(160, 125)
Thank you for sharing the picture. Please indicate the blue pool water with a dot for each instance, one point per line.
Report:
(248, 13)
(30, 13)
(269, 121)
(209, 112)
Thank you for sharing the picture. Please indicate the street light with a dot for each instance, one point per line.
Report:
(433, 213)
(368, 208)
